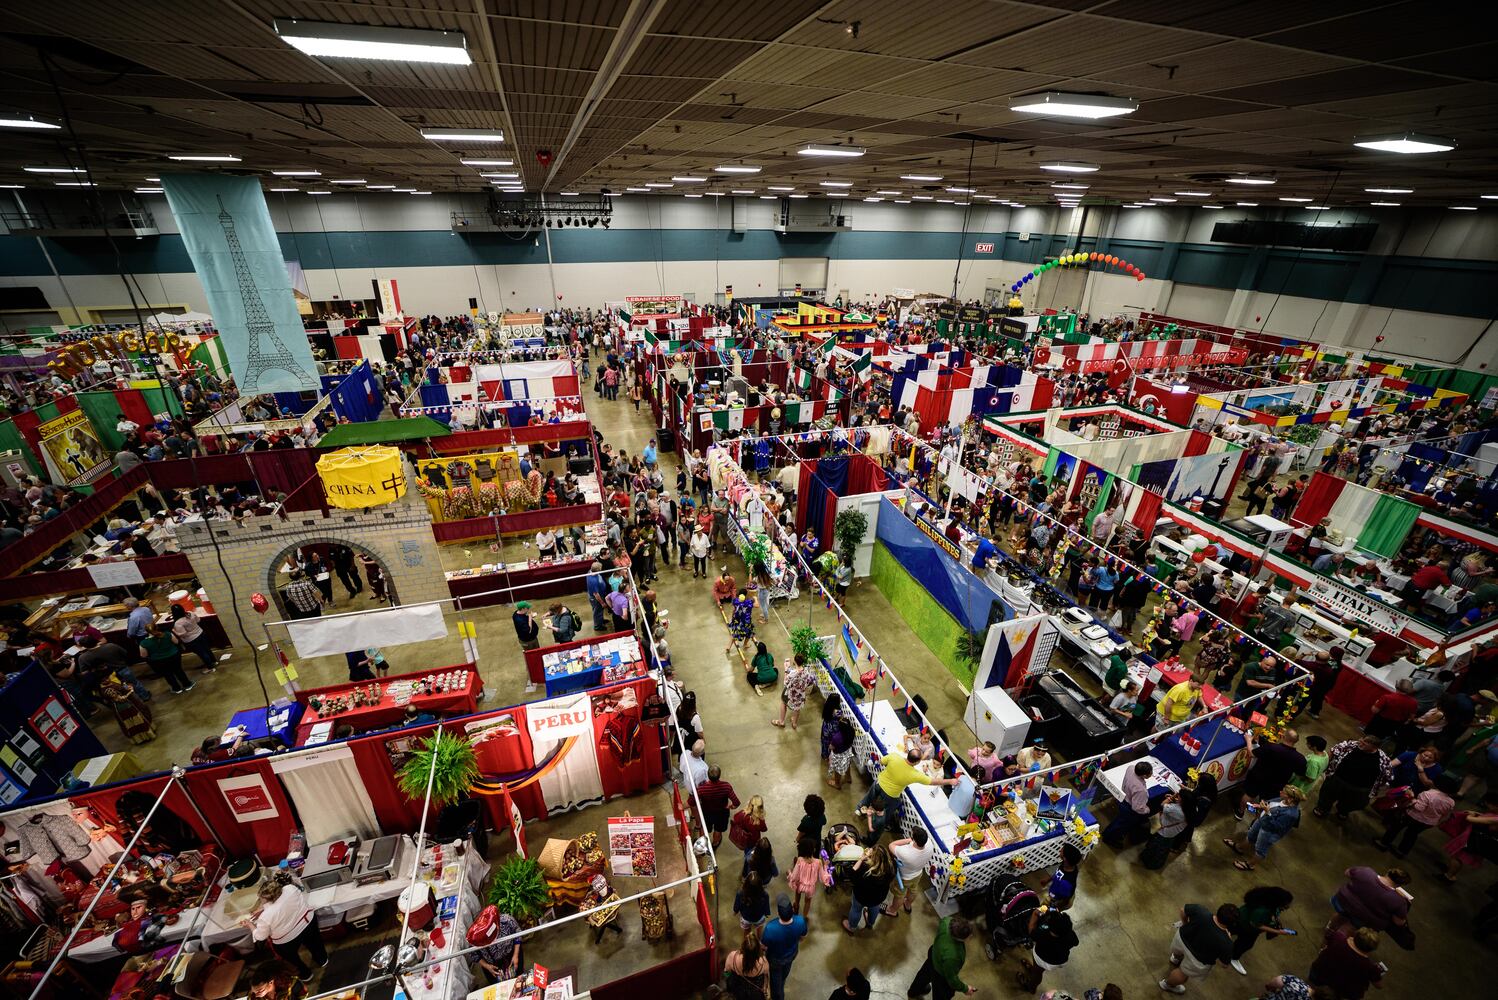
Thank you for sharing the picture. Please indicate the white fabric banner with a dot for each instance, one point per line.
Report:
(344, 633)
(575, 781)
(329, 796)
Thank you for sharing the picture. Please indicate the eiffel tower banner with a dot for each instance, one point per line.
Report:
(227, 229)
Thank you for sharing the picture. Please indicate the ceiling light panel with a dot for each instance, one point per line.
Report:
(359, 41)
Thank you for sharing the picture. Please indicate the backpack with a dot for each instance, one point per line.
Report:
(577, 622)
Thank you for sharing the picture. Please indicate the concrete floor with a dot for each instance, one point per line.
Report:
(1123, 913)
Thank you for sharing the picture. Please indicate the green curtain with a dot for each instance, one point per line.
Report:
(1051, 457)
(102, 410)
(11, 439)
(1388, 525)
(1101, 505)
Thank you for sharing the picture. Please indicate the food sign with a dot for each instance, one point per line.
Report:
(632, 845)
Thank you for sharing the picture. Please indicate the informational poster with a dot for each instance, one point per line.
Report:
(72, 449)
(248, 798)
(632, 845)
(115, 574)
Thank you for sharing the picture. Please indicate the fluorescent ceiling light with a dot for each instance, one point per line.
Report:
(54, 170)
(150, 190)
(1068, 186)
(902, 201)
(568, 194)
(421, 192)
(658, 184)
(73, 184)
(1194, 194)
(1070, 167)
(1130, 206)
(920, 177)
(1390, 190)
(292, 173)
(397, 191)
(15, 120)
(503, 177)
(836, 184)
(956, 190)
(1163, 201)
(324, 192)
(691, 196)
(1250, 179)
(737, 168)
(12, 187)
(382, 187)
(893, 194)
(921, 197)
(779, 187)
(689, 179)
(1489, 197)
(1073, 105)
(1454, 208)
(1302, 200)
(1384, 204)
(156, 179)
(845, 152)
(362, 41)
(350, 180)
(1212, 208)
(1246, 204)
(799, 196)
(487, 163)
(283, 190)
(638, 189)
(1316, 208)
(204, 158)
(768, 197)
(873, 199)
(742, 191)
(1404, 142)
(463, 134)
(944, 201)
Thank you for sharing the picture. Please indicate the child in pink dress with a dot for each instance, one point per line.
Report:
(807, 873)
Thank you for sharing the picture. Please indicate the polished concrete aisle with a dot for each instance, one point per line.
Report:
(1123, 913)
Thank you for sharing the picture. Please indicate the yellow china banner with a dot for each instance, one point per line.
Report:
(362, 477)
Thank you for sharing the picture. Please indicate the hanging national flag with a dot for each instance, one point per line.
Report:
(863, 366)
(803, 379)
(834, 393)
(729, 420)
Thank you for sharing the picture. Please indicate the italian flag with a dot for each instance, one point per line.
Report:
(803, 379)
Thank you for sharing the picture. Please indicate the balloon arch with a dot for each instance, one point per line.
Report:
(1080, 260)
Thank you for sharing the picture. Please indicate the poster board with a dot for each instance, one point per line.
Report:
(72, 449)
(632, 845)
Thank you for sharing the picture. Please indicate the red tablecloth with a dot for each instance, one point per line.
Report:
(534, 584)
(1355, 692)
(386, 712)
(537, 672)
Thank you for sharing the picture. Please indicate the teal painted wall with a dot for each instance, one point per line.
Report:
(1427, 284)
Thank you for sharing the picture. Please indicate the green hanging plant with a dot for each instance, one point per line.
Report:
(804, 643)
(850, 527)
(757, 553)
(519, 888)
(969, 647)
(457, 769)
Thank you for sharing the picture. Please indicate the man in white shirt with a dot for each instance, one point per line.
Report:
(912, 854)
(694, 765)
(125, 426)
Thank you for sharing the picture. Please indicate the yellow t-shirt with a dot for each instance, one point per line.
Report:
(898, 773)
(1180, 699)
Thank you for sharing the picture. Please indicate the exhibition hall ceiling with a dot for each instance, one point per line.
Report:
(612, 94)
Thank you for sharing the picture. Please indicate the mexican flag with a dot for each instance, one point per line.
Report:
(834, 393)
(803, 379)
(798, 413)
(861, 363)
(729, 420)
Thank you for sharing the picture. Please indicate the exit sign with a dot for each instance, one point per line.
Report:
(983, 248)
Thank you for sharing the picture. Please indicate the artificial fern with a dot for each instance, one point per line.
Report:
(456, 769)
(519, 888)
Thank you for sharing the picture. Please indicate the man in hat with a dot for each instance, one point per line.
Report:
(782, 940)
(526, 629)
(499, 959)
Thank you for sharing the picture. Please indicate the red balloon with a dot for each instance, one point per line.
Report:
(1139, 276)
(1198, 556)
(259, 603)
(1094, 256)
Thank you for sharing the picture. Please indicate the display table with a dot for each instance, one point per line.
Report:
(388, 709)
(586, 663)
(455, 883)
(109, 768)
(102, 949)
(281, 723)
(221, 920)
(1360, 685)
(1162, 781)
(1221, 753)
(504, 584)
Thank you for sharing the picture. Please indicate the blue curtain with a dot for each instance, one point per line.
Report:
(965, 596)
(436, 395)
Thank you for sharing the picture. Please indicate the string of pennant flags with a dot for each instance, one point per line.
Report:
(489, 404)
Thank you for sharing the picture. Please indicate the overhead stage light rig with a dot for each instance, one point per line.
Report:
(523, 215)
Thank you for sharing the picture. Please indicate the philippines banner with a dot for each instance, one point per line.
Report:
(227, 229)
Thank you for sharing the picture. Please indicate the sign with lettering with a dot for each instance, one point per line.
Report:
(1346, 602)
(983, 248)
(555, 720)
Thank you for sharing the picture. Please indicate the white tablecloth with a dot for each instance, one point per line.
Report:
(931, 799)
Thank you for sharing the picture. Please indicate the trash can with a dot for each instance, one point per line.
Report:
(1043, 715)
(665, 439)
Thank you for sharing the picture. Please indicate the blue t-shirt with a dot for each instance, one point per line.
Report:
(1405, 772)
(649, 455)
(986, 551)
(1104, 578)
(783, 940)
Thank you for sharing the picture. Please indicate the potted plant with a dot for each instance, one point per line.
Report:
(519, 888)
(456, 769)
(757, 554)
(850, 527)
(969, 647)
(804, 643)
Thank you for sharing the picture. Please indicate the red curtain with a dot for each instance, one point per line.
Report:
(267, 837)
(1147, 512)
(463, 442)
(283, 470)
(1318, 498)
(348, 348)
(134, 406)
(394, 811)
(1197, 444)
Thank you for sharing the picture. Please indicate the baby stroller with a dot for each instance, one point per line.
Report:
(1007, 914)
(838, 837)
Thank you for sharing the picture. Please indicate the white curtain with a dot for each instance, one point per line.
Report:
(328, 794)
(575, 781)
